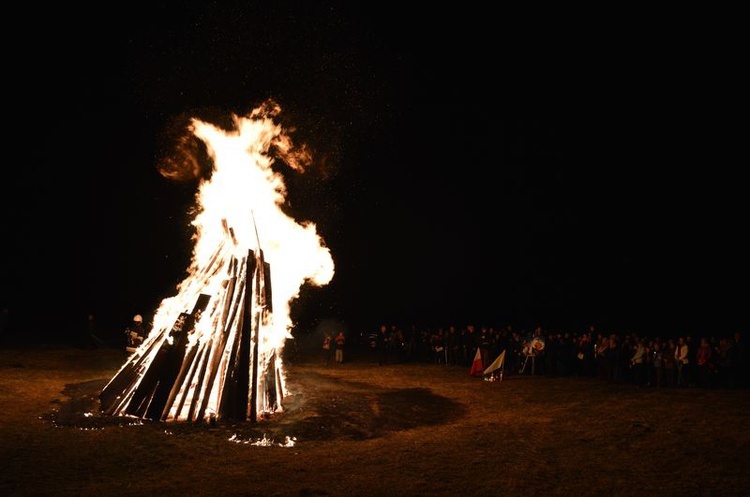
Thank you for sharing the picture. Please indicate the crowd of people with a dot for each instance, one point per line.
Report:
(712, 361)
(629, 358)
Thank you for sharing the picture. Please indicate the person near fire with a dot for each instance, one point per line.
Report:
(383, 341)
(327, 348)
(340, 342)
(681, 355)
(135, 333)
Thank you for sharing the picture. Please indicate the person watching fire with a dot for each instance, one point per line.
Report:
(340, 342)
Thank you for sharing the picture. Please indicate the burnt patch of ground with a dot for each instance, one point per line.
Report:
(325, 407)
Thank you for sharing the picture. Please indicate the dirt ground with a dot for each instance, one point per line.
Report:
(411, 429)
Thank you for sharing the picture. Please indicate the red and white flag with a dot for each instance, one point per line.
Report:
(477, 368)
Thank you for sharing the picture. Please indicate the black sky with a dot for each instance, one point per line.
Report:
(473, 166)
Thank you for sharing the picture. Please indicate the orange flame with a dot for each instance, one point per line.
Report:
(245, 193)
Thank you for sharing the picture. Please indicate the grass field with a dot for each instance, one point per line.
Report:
(359, 429)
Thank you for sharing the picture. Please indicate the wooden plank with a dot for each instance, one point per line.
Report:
(229, 389)
(173, 358)
(253, 329)
(181, 383)
(231, 309)
(118, 388)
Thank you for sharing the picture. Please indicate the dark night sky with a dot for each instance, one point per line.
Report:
(474, 167)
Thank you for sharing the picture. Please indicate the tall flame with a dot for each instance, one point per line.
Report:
(245, 193)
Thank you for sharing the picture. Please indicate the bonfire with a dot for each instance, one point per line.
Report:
(214, 348)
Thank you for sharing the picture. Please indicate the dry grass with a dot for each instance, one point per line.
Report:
(365, 430)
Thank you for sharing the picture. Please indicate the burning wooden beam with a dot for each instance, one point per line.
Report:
(193, 376)
(151, 396)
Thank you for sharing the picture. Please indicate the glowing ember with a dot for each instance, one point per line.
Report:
(265, 441)
(214, 348)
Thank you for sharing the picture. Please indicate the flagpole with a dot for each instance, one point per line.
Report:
(502, 367)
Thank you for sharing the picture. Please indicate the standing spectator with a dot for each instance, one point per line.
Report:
(399, 343)
(538, 345)
(395, 337)
(704, 363)
(452, 344)
(327, 348)
(691, 373)
(513, 357)
(613, 359)
(383, 342)
(725, 362)
(410, 338)
(648, 362)
(92, 337)
(600, 352)
(484, 346)
(470, 344)
(638, 363)
(437, 342)
(682, 360)
(585, 355)
(668, 363)
(340, 342)
(588, 347)
(552, 355)
(657, 363)
(567, 354)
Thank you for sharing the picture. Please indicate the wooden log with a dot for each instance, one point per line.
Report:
(279, 385)
(253, 393)
(267, 291)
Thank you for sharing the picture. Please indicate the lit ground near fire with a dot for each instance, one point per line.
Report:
(359, 429)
